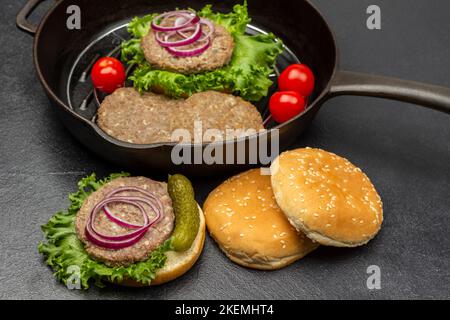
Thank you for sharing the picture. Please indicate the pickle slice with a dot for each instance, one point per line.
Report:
(187, 219)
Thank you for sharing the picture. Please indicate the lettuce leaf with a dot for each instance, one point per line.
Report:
(63, 250)
(246, 75)
(235, 22)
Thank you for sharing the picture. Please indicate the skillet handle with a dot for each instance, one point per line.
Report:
(24, 13)
(359, 84)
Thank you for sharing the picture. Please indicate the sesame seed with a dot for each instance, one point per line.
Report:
(225, 225)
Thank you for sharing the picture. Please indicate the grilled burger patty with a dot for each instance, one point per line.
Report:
(150, 118)
(154, 237)
(216, 56)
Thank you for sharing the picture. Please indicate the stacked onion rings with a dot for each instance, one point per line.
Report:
(182, 33)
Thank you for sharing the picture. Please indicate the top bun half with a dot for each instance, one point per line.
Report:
(325, 196)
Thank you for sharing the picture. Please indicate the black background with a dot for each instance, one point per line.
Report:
(405, 150)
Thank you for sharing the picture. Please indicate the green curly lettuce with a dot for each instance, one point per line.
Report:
(63, 250)
(246, 75)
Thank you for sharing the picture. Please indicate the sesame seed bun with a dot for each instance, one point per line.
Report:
(246, 222)
(328, 198)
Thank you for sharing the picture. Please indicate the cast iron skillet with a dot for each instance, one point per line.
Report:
(302, 28)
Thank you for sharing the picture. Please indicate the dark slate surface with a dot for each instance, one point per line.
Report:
(403, 148)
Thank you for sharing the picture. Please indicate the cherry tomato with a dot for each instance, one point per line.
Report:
(297, 77)
(286, 105)
(108, 74)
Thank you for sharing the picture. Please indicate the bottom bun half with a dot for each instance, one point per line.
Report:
(177, 263)
(261, 262)
(244, 219)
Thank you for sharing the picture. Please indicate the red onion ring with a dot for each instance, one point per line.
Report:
(136, 189)
(190, 52)
(125, 240)
(185, 21)
(131, 201)
(112, 242)
(115, 245)
(206, 22)
(192, 18)
(119, 221)
(186, 41)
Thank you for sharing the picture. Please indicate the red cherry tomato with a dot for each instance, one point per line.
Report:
(297, 77)
(108, 74)
(286, 105)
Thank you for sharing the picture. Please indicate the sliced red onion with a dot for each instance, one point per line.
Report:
(191, 18)
(206, 22)
(184, 42)
(112, 242)
(145, 192)
(180, 21)
(190, 52)
(136, 189)
(115, 245)
(132, 201)
(186, 25)
(120, 221)
(125, 240)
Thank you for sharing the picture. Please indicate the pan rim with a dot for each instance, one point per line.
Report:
(319, 99)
